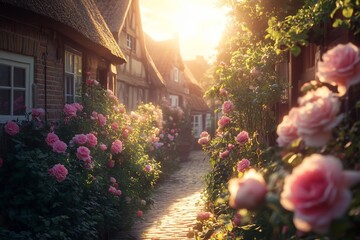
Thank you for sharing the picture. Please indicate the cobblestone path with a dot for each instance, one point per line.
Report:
(176, 203)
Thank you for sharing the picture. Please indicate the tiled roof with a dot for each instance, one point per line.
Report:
(197, 103)
(82, 17)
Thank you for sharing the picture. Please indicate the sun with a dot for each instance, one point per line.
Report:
(199, 28)
(199, 24)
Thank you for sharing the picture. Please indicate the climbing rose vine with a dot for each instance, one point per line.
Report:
(306, 186)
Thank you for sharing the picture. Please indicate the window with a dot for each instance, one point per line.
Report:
(208, 121)
(130, 42)
(16, 78)
(176, 74)
(174, 100)
(140, 96)
(73, 76)
(197, 125)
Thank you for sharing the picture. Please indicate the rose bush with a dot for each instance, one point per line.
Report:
(306, 187)
(86, 176)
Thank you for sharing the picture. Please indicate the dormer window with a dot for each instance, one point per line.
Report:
(176, 76)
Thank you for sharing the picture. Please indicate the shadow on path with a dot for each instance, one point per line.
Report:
(176, 203)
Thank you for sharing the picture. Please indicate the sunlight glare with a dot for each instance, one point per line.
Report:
(198, 23)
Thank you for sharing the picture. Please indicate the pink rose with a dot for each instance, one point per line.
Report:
(114, 126)
(170, 137)
(243, 164)
(201, 216)
(80, 139)
(59, 172)
(286, 130)
(91, 82)
(112, 189)
(203, 140)
(227, 107)
(83, 153)
(101, 120)
(122, 109)
(242, 137)
(116, 147)
(204, 134)
(115, 191)
(230, 146)
(37, 112)
(12, 128)
(317, 191)
(125, 132)
(70, 110)
(148, 168)
(139, 214)
(317, 116)
(59, 146)
(224, 154)
(223, 121)
(78, 106)
(112, 180)
(51, 138)
(94, 115)
(248, 191)
(102, 147)
(91, 139)
(341, 66)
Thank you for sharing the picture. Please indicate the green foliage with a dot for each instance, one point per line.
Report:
(258, 36)
(34, 205)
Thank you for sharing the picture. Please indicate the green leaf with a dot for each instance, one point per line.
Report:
(347, 12)
(337, 23)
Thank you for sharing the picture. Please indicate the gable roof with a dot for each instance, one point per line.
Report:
(166, 54)
(163, 53)
(196, 100)
(114, 12)
(80, 20)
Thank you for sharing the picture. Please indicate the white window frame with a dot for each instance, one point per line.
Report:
(208, 121)
(176, 72)
(27, 63)
(196, 121)
(130, 42)
(74, 73)
(174, 100)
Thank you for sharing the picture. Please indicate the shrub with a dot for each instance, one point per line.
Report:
(82, 177)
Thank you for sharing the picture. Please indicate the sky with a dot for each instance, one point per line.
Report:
(198, 23)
